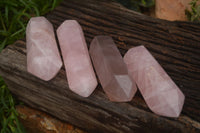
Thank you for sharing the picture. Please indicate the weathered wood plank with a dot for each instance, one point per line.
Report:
(175, 45)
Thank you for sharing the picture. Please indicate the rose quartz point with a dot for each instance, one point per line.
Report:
(159, 91)
(111, 70)
(43, 59)
(79, 70)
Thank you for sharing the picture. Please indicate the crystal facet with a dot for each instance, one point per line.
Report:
(78, 66)
(43, 58)
(111, 69)
(159, 91)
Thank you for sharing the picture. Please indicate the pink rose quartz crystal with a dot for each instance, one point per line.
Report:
(159, 91)
(111, 69)
(78, 66)
(43, 58)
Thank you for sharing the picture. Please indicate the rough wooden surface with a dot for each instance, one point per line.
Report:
(176, 46)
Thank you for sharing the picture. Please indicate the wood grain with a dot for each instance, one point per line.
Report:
(176, 46)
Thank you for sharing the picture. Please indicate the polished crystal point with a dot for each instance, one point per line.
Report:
(111, 69)
(43, 58)
(159, 91)
(78, 66)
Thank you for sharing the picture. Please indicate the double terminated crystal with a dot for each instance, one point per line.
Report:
(79, 70)
(43, 59)
(160, 93)
(111, 69)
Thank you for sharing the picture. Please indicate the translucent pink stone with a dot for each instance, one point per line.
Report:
(79, 70)
(159, 91)
(43, 59)
(111, 69)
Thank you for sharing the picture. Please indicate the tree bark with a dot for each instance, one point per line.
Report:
(176, 46)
